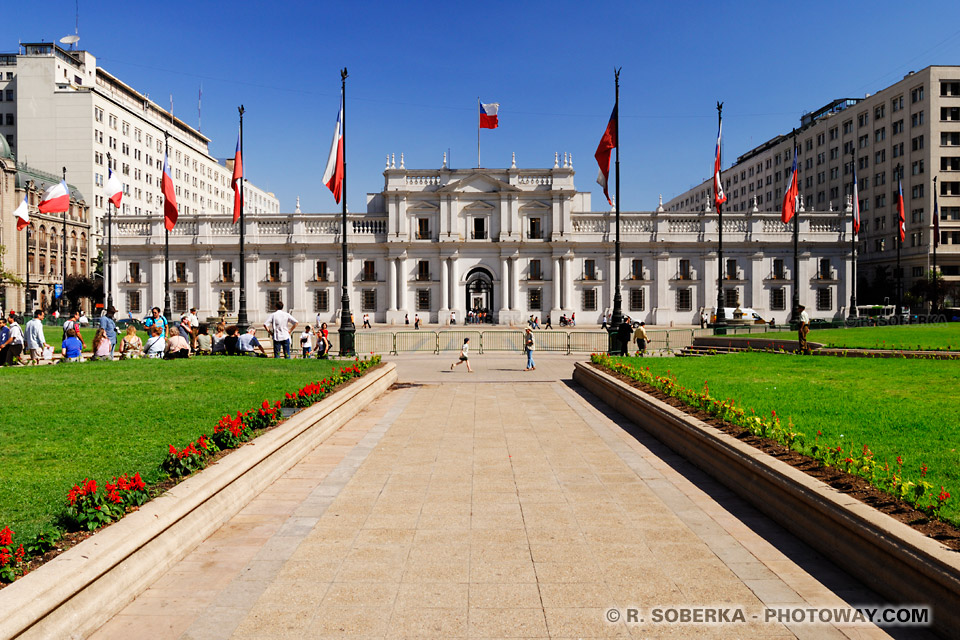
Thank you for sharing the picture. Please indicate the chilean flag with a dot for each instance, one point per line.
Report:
(56, 199)
(488, 115)
(719, 197)
(793, 190)
(333, 174)
(901, 217)
(23, 214)
(856, 200)
(114, 188)
(169, 197)
(608, 142)
(235, 182)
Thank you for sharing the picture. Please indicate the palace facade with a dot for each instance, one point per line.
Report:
(513, 242)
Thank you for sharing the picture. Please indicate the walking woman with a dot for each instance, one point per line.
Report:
(528, 347)
(464, 356)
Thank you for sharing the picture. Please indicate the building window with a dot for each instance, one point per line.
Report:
(779, 273)
(684, 300)
(273, 273)
(423, 271)
(917, 143)
(824, 271)
(535, 231)
(534, 272)
(636, 269)
(731, 297)
(423, 228)
(897, 103)
(226, 271)
(917, 94)
(731, 270)
(636, 299)
(589, 270)
(322, 270)
(179, 301)
(321, 300)
(824, 299)
(684, 270)
(368, 300)
(133, 302)
(423, 299)
(778, 299)
(535, 299)
(134, 272)
(589, 299)
(479, 228)
(179, 272)
(369, 271)
(917, 272)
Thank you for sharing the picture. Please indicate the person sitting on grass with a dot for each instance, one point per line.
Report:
(156, 344)
(177, 345)
(131, 347)
(204, 341)
(217, 345)
(249, 343)
(231, 342)
(71, 347)
(102, 349)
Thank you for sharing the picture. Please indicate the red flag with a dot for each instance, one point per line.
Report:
(901, 218)
(790, 197)
(488, 115)
(719, 197)
(235, 182)
(856, 200)
(56, 198)
(333, 174)
(608, 142)
(22, 214)
(169, 197)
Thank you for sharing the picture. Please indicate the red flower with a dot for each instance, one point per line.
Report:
(20, 553)
(89, 486)
(900, 460)
(137, 482)
(6, 536)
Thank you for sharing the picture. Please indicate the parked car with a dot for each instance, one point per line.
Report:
(729, 313)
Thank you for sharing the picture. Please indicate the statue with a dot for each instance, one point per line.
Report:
(222, 309)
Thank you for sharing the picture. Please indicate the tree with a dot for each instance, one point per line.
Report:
(76, 288)
(7, 276)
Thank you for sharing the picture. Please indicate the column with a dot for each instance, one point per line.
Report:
(444, 285)
(568, 283)
(612, 280)
(504, 285)
(402, 278)
(203, 301)
(515, 284)
(555, 302)
(455, 302)
(298, 291)
(392, 283)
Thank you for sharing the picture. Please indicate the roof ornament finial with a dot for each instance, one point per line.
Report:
(566, 162)
(706, 206)
(801, 203)
(387, 166)
(444, 160)
(298, 206)
(754, 209)
(571, 159)
(660, 206)
(830, 208)
(556, 159)
(401, 161)
(393, 161)
(513, 160)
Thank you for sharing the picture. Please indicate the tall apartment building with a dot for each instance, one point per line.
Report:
(913, 125)
(60, 110)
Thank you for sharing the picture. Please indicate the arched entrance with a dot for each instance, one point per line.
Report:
(480, 292)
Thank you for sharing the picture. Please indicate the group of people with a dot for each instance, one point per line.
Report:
(528, 348)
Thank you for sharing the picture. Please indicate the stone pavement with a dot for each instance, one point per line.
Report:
(497, 504)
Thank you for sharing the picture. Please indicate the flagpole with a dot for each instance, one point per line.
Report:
(853, 238)
(109, 243)
(27, 300)
(899, 241)
(617, 316)
(63, 243)
(347, 329)
(166, 237)
(242, 321)
(796, 240)
(936, 241)
(720, 312)
(478, 132)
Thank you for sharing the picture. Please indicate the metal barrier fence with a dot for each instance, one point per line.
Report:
(413, 341)
(589, 341)
(502, 341)
(557, 341)
(376, 342)
(452, 340)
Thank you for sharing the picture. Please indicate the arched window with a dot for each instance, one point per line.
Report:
(73, 242)
(73, 266)
(83, 267)
(83, 244)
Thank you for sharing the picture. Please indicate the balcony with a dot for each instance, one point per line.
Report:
(368, 276)
(423, 277)
(826, 276)
(479, 235)
(223, 278)
(734, 276)
(534, 235)
(685, 276)
(423, 236)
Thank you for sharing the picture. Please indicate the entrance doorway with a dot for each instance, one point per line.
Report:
(480, 293)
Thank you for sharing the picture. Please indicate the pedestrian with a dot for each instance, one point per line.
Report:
(416, 322)
(406, 318)
(73, 322)
(306, 342)
(803, 329)
(624, 331)
(323, 341)
(279, 326)
(248, 343)
(109, 326)
(603, 322)
(13, 344)
(217, 340)
(185, 329)
(528, 349)
(464, 356)
(204, 344)
(154, 320)
(640, 337)
(83, 319)
(366, 321)
(453, 317)
(703, 318)
(34, 339)
(194, 328)
(573, 319)
(547, 323)
(4, 334)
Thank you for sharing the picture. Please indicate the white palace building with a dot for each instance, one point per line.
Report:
(514, 242)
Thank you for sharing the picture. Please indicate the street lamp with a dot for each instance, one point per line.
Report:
(109, 244)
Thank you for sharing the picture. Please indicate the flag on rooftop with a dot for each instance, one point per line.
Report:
(790, 197)
(56, 199)
(488, 115)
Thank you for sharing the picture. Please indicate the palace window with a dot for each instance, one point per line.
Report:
(589, 299)
(180, 272)
(636, 299)
(423, 228)
(423, 271)
(273, 299)
(684, 270)
(321, 270)
(273, 273)
(179, 301)
(636, 269)
(134, 272)
(534, 271)
(368, 301)
(589, 270)
(535, 231)
(684, 300)
(479, 228)
(369, 271)
(535, 299)
(824, 299)
(731, 297)
(226, 271)
(321, 300)
(423, 299)
(133, 302)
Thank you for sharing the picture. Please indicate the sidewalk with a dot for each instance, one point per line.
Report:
(502, 503)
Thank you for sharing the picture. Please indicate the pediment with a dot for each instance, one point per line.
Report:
(477, 183)
(535, 207)
(479, 206)
(422, 205)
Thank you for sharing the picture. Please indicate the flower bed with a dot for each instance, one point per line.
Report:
(855, 459)
(89, 505)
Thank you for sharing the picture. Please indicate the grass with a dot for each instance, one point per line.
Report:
(101, 419)
(897, 407)
(944, 336)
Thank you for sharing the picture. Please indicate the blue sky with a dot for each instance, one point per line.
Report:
(417, 69)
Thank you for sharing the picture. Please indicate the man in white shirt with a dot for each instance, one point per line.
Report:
(14, 343)
(34, 338)
(279, 325)
(803, 329)
(248, 342)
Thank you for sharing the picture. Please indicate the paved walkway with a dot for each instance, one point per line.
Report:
(497, 504)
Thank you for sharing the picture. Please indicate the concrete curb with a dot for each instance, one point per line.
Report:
(757, 344)
(888, 556)
(72, 595)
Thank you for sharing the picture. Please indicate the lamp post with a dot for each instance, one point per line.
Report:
(720, 316)
(854, 223)
(166, 243)
(63, 249)
(242, 312)
(27, 301)
(347, 330)
(109, 243)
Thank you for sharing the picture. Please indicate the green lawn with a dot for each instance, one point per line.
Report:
(918, 336)
(897, 407)
(64, 423)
